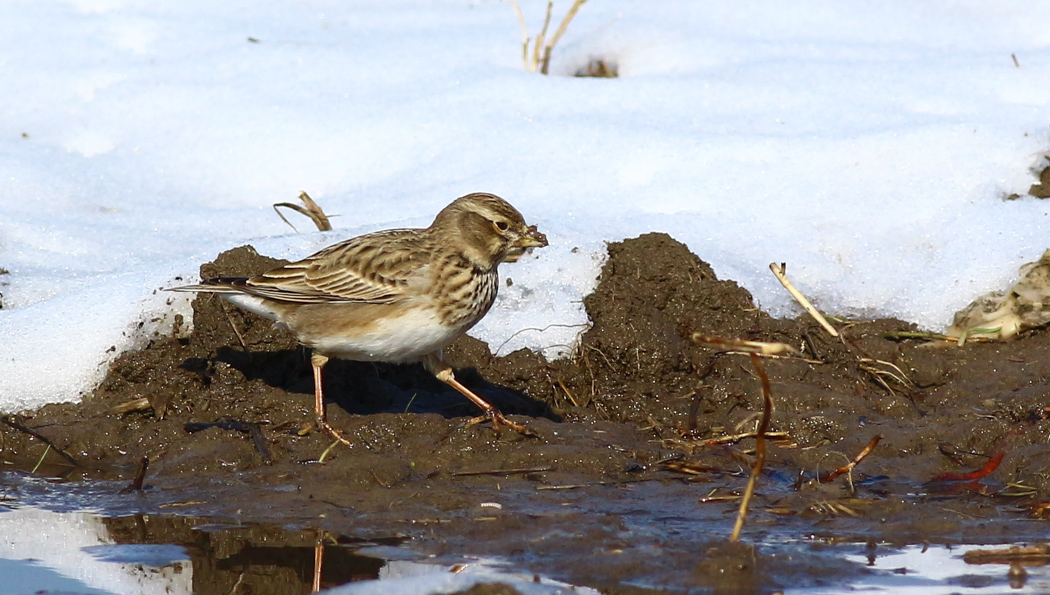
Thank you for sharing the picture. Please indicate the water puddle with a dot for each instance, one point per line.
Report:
(88, 537)
(929, 570)
(85, 552)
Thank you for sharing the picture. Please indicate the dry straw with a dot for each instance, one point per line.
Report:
(539, 58)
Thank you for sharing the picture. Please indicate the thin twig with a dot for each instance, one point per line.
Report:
(324, 454)
(772, 356)
(780, 271)
(832, 475)
(760, 447)
(9, 420)
(318, 565)
(410, 401)
(916, 335)
(542, 36)
(524, 33)
(751, 347)
(140, 476)
(311, 210)
(734, 438)
(965, 335)
(576, 486)
(503, 471)
(568, 392)
(1033, 554)
(558, 33)
(259, 440)
(229, 318)
(40, 461)
(140, 404)
(689, 467)
(900, 377)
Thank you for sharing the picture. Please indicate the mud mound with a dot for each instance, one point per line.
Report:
(636, 365)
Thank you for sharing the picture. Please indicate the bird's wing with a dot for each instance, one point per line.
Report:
(376, 268)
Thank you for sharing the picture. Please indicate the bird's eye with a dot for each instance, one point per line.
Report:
(502, 225)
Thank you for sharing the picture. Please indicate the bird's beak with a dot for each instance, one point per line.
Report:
(532, 239)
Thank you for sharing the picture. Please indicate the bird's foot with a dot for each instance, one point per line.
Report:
(322, 424)
(499, 420)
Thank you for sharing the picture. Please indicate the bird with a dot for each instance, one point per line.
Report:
(396, 296)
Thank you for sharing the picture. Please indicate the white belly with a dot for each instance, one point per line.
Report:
(404, 339)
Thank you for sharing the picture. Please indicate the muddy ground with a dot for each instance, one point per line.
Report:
(626, 488)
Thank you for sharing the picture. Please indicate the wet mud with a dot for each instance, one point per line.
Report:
(634, 480)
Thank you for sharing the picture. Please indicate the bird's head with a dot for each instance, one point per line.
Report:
(490, 229)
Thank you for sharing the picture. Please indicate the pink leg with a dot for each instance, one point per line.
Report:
(444, 373)
(318, 362)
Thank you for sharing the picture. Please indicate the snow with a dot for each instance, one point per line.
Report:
(868, 145)
(42, 551)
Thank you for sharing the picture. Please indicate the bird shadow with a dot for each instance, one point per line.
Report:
(366, 388)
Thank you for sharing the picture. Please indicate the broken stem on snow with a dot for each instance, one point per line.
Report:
(780, 271)
(310, 209)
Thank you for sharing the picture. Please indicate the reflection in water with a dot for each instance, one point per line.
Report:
(172, 555)
(937, 570)
(51, 551)
(255, 558)
(169, 554)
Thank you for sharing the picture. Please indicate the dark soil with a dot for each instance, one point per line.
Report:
(610, 493)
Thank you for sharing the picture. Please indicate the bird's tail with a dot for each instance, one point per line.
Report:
(232, 290)
(216, 285)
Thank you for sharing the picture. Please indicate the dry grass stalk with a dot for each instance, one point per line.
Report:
(742, 346)
(760, 448)
(1018, 490)
(900, 377)
(780, 271)
(327, 451)
(140, 404)
(689, 467)
(309, 209)
(782, 439)
(539, 58)
(1033, 554)
(524, 33)
(568, 393)
(516, 471)
(136, 484)
(599, 68)
(541, 37)
(315, 585)
(828, 508)
(848, 467)
(726, 498)
(14, 423)
(693, 445)
(977, 330)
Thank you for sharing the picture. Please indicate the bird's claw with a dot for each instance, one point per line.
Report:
(331, 432)
(499, 420)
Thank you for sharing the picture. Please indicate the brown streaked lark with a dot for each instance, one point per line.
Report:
(397, 296)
